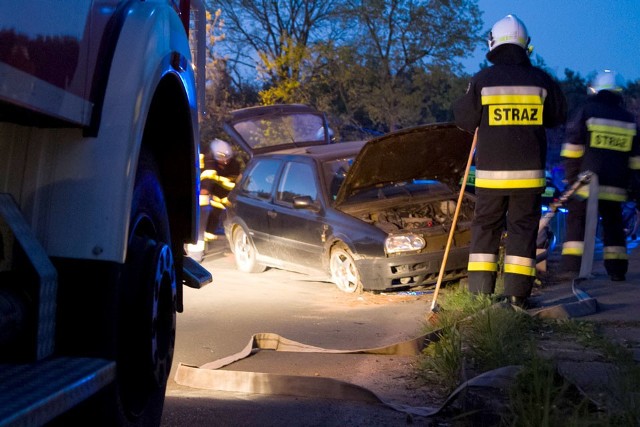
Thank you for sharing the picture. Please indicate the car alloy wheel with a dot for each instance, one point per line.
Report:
(245, 253)
(344, 272)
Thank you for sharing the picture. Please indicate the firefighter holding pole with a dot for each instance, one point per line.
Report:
(510, 103)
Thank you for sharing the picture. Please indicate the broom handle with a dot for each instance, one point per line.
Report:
(455, 220)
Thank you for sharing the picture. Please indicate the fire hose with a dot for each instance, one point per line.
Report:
(585, 304)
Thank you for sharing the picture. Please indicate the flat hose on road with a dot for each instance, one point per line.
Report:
(210, 377)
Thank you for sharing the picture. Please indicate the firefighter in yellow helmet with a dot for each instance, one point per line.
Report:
(602, 137)
(219, 170)
(510, 104)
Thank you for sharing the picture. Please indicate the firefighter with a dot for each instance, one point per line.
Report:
(602, 138)
(219, 169)
(509, 105)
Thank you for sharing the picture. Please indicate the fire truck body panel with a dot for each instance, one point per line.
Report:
(73, 188)
(99, 185)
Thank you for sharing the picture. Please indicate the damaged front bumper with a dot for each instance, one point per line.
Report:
(379, 274)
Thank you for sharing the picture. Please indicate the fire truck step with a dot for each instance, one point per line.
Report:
(35, 393)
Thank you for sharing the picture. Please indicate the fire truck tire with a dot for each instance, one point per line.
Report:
(147, 306)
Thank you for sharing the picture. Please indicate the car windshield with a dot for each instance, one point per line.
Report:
(335, 172)
(269, 131)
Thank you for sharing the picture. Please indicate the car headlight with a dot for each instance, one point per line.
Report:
(403, 243)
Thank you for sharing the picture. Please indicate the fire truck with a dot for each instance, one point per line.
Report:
(99, 183)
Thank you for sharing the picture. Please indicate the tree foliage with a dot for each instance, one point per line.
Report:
(266, 35)
(358, 60)
(371, 65)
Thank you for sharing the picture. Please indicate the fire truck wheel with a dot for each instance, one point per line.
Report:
(147, 314)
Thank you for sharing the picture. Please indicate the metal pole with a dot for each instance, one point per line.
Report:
(591, 224)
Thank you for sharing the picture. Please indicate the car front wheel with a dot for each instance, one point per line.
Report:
(344, 272)
(245, 253)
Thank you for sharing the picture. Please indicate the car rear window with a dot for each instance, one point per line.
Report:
(260, 178)
(277, 130)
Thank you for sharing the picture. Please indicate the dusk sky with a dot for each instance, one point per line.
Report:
(583, 35)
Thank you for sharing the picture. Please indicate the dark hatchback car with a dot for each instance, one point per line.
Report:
(370, 215)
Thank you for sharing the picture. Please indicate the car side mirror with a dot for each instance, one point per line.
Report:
(306, 202)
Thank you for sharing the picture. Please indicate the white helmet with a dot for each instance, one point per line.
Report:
(509, 30)
(221, 150)
(606, 80)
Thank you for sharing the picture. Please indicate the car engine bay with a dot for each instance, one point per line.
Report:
(427, 217)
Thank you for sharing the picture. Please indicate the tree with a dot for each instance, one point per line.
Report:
(397, 40)
(221, 94)
(365, 61)
(574, 87)
(632, 98)
(283, 73)
(271, 38)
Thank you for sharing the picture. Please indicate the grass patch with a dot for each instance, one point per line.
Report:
(444, 359)
(498, 337)
(541, 398)
(477, 335)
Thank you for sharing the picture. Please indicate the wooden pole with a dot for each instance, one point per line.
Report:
(455, 220)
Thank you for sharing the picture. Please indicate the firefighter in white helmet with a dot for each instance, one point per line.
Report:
(219, 170)
(510, 104)
(602, 137)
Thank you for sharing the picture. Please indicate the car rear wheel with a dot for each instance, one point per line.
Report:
(245, 253)
(344, 272)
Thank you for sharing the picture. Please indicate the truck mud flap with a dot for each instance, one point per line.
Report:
(210, 377)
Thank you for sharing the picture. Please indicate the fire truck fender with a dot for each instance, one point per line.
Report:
(151, 86)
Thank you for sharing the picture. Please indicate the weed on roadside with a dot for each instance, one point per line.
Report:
(498, 337)
(443, 359)
(542, 398)
(477, 335)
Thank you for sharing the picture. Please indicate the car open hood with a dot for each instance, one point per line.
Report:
(275, 127)
(437, 151)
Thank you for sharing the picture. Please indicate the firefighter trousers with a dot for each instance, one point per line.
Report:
(519, 216)
(616, 260)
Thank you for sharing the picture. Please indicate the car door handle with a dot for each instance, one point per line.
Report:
(272, 214)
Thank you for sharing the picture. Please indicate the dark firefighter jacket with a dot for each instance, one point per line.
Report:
(602, 137)
(511, 103)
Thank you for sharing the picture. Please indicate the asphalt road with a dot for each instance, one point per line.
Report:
(220, 319)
